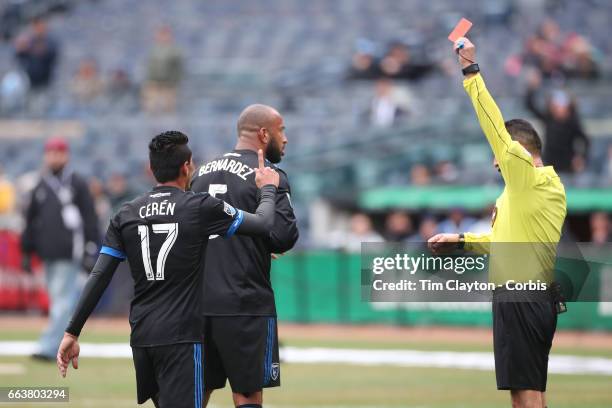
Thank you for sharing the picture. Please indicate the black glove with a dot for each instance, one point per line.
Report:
(26, 263)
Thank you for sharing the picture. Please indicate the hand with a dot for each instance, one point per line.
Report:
(265, 175)
(466, 54)
(442, 243)
(26, 263)
(68, 351)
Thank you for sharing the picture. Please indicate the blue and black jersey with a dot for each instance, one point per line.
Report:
(237, 271)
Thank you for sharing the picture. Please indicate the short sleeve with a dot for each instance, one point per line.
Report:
(113, 243)
(219, 217)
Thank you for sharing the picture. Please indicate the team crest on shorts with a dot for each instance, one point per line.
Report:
(274, 371)
(229, 210)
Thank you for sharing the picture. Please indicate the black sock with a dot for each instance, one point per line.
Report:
(249, 406)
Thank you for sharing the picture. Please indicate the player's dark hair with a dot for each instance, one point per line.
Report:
(168, 151)
(524, 133)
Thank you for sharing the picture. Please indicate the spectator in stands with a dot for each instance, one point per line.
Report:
(86, 84)
(122, 92)
(607, 167)
(164, 73)
(118, 190)
(389, 103)
(579, 58)
(565, 140)
(364, 64)
(456, 222)
(7, 197)
(428, 226)
(484, 224)
(446, 172)
(360, 230)
(601, 231)
(37, 53)
(398, 226)
(420, 175)
(555, 53)
(14, 88)
(101, 202)
(61, 227)
(544, 50)
(398, 63)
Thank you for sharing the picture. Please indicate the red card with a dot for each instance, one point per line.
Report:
(460, 30)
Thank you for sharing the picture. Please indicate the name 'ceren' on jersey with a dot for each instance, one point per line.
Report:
(230, 165)
(162, 208)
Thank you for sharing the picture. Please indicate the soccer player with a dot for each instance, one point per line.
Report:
(529, 214)
(163, 234)
(240, 341)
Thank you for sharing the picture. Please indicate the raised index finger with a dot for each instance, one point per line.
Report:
(260, 158)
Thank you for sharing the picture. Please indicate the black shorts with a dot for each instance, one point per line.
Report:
(522, 336)
(243, 349)
(171, 374)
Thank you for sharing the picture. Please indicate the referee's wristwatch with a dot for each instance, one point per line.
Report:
(471, 69)
(461, 243)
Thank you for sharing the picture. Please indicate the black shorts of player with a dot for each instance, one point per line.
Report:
(523, 331)
(242, 349)
(170, 375)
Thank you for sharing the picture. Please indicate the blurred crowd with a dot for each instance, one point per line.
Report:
(27, 85)
(549, 60)
(106, 194)
(416, 227)
(394, 66)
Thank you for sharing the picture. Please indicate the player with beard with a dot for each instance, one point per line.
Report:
(240, 336)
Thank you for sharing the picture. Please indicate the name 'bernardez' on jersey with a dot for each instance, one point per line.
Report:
(237, 278)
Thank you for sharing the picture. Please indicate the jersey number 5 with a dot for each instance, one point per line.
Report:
(162, 256)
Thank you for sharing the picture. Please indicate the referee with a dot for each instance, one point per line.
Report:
(526, 227)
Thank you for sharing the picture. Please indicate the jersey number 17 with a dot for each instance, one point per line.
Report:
(172, 232)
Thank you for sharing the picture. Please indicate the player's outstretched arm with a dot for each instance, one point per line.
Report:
(262, 221)
(477, 243)
(98, 281)
(442, 243)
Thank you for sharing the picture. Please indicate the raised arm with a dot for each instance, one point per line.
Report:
(515, 162)
(262, 221)
(223, 219)
(284, 234)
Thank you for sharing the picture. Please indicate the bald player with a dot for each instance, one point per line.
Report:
(240, 337)
(526, 229)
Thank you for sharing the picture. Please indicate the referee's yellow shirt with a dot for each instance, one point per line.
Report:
(530, 211)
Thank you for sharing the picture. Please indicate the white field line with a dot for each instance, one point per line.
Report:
(12, 369)
(558, 364)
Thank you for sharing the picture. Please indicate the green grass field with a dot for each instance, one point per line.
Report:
(110, 382)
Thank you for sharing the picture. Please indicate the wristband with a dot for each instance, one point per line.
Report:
(471, 69)
(461, 243)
